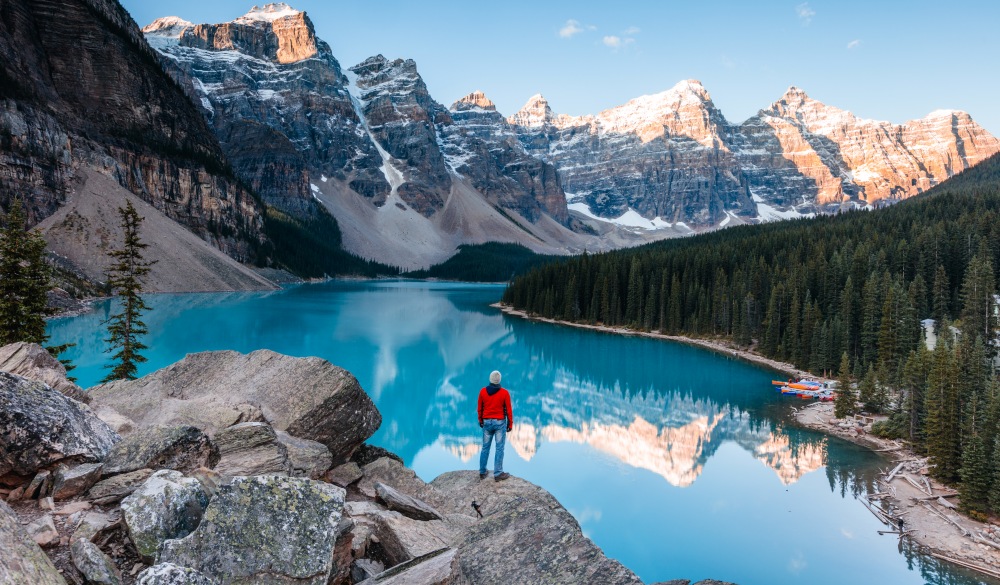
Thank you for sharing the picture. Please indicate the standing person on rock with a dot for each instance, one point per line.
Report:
(496, 418)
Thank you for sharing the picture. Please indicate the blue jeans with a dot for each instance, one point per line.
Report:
(493, 427)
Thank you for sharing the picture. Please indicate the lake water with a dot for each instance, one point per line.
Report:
(678, 462)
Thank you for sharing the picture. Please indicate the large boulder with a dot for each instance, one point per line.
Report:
(34, 362)
(305, 397)
(251, 449)
(40, 427)
(525, 532)
(181, 448)
(21, 560)
(167, 506)
(264, 529)
(309, 458)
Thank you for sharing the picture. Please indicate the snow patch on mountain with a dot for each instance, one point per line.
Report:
(268, 13)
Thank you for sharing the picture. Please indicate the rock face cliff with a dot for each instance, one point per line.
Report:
(392, 164)
(673, 158)
(81, 91)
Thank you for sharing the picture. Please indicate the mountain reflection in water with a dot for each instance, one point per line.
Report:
(678, 462)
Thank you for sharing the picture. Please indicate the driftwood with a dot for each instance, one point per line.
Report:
(975, 567)
(944, 517)
(894, 472)
(978, 537)
(915, 484)
(876, 511)
(946, 503)
(935, 497)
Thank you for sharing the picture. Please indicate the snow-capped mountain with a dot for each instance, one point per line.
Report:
(673, 159)
(407, 178)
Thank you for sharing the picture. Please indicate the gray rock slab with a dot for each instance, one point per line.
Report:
(21, 560)
(308, 398)
(92, 524)
(344, 475)
(33, 488)
(43, 531)
(73, 481)
(34, 362)
(168, 505)
(171, 574)
(403, 538)
(251, 449)
(309, 458)
(404, 504)
(362, 569)
(96, 567)
(181, 448)
(517, 512)
(40, 427)
(440, 567)
(116, 487)
(264, 529)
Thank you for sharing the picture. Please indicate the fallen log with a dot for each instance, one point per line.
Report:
(894, 472)
(946, 503)
(975, 567)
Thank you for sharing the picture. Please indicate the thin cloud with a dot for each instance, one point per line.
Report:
(632, 30)
(615, 42)
(571, 28)
(805, 13)
(854, 44)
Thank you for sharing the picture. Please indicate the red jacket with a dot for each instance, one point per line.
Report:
(496, 405)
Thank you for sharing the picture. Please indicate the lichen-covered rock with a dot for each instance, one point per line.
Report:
(440, 567)
(168, 505)
(404, 504)
(517, 512)
(34, 362)
(73, 481)
(171, 574)
(40, 427)
(251, 449)
(116, 487)
(21, 560)
(96, 567)
(92, 524)
(181, 448)
(309, 458)
(265, 529)
(308, 398)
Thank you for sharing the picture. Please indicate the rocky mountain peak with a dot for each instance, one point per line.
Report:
(275, 32)
(535, 113)
(167, 25)
(476, 99)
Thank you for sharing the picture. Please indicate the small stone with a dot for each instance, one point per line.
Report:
(171, 574)
(362, 569)
(73, 508)
(17, 494)
(74, 481)
(96, 567)
(309, 458)
(43, 531)
(404, 504)
(47, 503)
(251, 449)
(35, 485)
(344, 475)
(114, 488)
(92, 524)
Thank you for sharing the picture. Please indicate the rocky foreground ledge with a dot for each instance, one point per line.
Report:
(227, 468)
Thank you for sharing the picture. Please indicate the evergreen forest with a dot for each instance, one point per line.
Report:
(898, 303)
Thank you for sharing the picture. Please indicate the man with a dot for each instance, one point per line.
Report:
(496, 418)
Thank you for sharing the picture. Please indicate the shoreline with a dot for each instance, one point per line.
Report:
(722, 347)
(936, 529)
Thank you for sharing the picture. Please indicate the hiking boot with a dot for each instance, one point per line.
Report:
(501, 477)
(482, 475)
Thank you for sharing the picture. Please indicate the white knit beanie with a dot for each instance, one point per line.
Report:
(494, 377)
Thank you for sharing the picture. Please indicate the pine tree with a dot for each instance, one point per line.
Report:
(24, 280)
(846, 403)
(975, 474)
(868, 392)
(994, 496)
(125, 277)
(978, 288)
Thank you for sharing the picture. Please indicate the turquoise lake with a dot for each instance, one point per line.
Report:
(679, 462)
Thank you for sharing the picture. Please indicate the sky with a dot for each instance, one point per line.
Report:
(882, 59)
